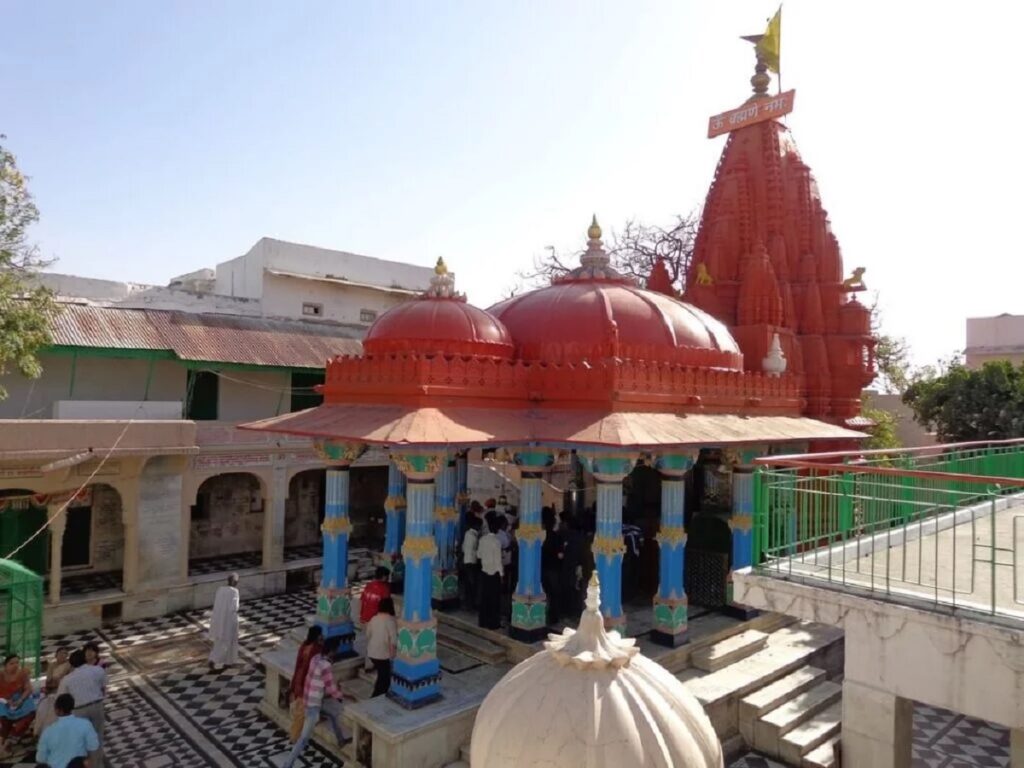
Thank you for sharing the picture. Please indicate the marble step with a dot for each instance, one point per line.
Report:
(823, 756)
(811, 734)
(772, 726)
(714, 657)
(788, 649)
(471, 644)
(774, 695)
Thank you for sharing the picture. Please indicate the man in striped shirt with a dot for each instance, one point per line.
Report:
(319, 681)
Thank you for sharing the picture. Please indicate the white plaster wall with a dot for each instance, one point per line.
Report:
(310, 260)
(107, 529)
(247, 395)
(995, 338)
(284, 297)
(96, 378)
(966, 665)
(242, 276)
(302, 510)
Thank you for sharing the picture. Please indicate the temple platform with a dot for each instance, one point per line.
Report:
(386, 735)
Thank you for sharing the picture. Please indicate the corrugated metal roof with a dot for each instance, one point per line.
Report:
(397, 425)
(251, 341)
(79, 325)
(204, 337)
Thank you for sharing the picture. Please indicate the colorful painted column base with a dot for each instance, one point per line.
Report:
(670, 618)
(334, 617)
(529, 618)
(444, 589)
(416, 672)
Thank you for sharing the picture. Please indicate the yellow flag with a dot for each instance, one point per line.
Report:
(771, 44)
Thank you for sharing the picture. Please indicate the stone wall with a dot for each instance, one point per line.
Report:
(107, 529)
(303, 508)
(229, 518)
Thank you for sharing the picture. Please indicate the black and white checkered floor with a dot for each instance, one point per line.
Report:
(164, 714)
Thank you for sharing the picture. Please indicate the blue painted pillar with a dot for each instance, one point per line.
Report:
(529, 603)
(741, 524)
(445, 583)
(416, 672)
(333, 605)
(609, 469)
(394, 525)
(670, 604)
(462, 490)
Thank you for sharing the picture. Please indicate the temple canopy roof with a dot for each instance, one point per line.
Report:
(452, 425)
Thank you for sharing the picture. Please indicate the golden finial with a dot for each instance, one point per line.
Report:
(594, 232)
(441, 268)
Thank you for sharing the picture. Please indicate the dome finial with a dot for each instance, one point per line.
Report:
(594, 231)
(593, 601)
(442, 284)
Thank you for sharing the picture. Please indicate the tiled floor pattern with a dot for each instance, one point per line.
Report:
(188, 716)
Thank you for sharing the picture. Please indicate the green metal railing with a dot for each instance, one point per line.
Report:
(944, 523)
(21, 613)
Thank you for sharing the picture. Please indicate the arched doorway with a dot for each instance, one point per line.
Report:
(92, 551)
(708, 538)
(641, 518)
(303, 514)
(92, 547)
(226, 524)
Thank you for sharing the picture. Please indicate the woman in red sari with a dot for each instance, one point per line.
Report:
(17, 702)
(310, 648)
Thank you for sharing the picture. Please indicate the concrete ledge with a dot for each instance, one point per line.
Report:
(941, 658)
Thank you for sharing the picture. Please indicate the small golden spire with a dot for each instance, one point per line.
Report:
(441, 268)
(594, 232)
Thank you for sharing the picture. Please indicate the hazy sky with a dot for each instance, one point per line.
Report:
(162, 137)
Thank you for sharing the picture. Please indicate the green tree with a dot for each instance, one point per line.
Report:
(883, 434)
(961, 404)
(25, 308)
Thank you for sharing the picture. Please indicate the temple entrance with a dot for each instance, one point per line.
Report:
(641, 519)
(226, 525)
(708, 540)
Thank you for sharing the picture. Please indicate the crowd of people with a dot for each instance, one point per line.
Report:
(65, 716)
(489, 563)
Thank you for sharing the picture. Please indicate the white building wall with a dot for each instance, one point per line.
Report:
(95, 378)
(248, 395)
(284, 297)
(323, 262)
(994, 338)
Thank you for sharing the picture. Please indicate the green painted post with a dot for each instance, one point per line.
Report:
(149, 378)
(71, 384)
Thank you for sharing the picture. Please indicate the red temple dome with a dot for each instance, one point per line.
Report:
(595, 313)
(440, 322)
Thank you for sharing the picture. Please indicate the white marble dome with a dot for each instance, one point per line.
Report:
(591, 700)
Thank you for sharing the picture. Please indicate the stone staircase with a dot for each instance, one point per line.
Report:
(777, 693)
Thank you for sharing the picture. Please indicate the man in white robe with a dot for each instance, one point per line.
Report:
(224, 625)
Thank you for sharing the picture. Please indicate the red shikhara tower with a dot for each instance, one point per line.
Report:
(766, 262)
